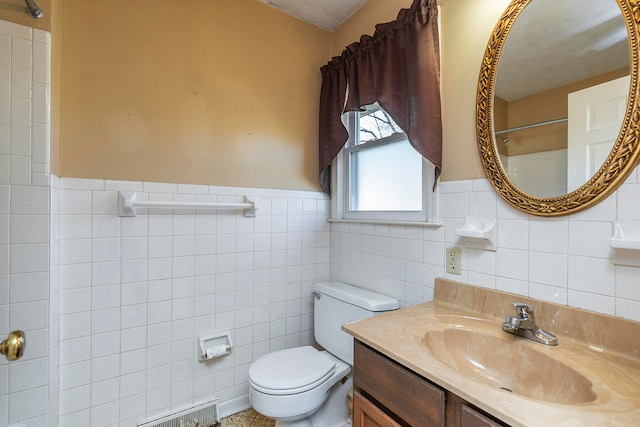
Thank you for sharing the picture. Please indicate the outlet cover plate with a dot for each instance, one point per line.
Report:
(454, 260)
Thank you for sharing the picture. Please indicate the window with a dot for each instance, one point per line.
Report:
(379, 176)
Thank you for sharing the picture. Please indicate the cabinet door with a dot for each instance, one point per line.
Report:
(411, 398)
(366, 414)
(472, 418)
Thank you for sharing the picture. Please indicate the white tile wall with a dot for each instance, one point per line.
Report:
(28, 386)
(566, 260)
(136, 292)
(542, 174)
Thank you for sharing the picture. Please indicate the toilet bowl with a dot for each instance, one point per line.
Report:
(306, 387)
(293, 387)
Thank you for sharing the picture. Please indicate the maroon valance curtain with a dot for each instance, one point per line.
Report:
(399, 67)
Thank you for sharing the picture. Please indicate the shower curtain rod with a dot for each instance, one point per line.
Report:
(33, 9)
(533, 125)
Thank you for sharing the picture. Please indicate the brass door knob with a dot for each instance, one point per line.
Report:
(13, 346)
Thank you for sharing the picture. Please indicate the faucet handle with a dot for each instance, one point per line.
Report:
(525, 311)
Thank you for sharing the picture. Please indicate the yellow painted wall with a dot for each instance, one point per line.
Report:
(466, 27)
(56, 49)
(221, 92)
(15, 11)
(225, 92)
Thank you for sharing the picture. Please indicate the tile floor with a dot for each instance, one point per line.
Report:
(248, 418)
(251, 418)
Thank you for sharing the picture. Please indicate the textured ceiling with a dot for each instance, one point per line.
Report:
(553, 43)
(326, 14)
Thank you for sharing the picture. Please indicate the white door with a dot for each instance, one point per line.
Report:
(595, 117)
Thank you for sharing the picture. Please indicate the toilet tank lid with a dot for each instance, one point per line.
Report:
(364, 298)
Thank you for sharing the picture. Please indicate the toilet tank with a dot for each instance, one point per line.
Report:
(337, 303)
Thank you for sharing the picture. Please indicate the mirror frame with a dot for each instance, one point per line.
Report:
(622, 159)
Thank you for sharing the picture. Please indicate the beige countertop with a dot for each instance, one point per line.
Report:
(591, 378)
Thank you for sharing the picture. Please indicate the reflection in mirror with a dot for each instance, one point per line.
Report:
(554, 84)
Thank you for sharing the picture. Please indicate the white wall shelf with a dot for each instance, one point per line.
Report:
(127, 204)
(479, 233)
(626, 243)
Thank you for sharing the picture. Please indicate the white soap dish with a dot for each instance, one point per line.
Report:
(626, 243)
(479, 232)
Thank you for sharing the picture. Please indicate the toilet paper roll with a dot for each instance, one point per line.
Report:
(216, 351)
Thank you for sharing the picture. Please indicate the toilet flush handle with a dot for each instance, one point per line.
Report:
(316, 294)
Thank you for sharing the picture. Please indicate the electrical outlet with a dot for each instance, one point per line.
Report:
(454, 260)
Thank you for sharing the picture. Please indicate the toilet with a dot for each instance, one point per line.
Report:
(306, 387)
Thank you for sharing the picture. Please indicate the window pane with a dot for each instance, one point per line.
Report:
(386, 178)
(376, 124)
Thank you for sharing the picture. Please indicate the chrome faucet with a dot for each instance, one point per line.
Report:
(524, 325)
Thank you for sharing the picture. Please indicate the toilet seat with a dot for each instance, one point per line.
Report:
(291, 371)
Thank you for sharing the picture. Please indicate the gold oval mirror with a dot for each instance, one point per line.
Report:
(505, 90)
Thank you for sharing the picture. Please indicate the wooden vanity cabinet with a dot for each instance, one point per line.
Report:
(366, 414)
(473, 418)
(387, 394)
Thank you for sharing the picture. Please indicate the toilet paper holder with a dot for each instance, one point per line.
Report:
(214, 345)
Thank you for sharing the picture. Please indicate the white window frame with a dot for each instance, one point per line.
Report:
(340, 212)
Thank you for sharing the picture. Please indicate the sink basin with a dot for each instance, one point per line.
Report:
(511, 365)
